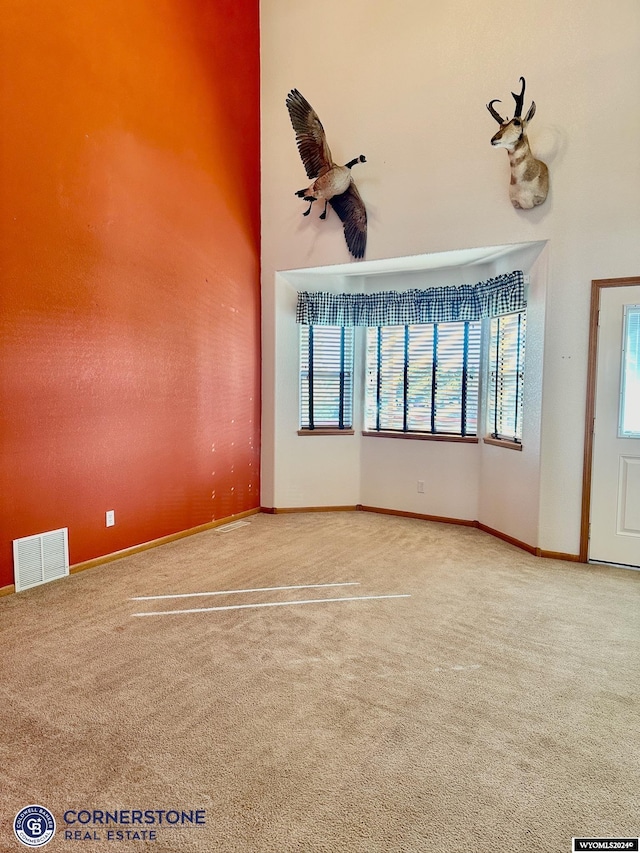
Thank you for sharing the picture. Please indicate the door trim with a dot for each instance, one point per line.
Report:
(597, 286)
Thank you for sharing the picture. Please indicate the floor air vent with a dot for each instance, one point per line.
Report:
(232, 525)
(41, 558)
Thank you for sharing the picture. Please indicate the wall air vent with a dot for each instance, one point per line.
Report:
(41, 558)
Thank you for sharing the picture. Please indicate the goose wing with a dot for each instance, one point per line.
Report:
(310, 136)
(351, 210)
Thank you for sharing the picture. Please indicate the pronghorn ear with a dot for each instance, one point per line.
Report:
(532, 111)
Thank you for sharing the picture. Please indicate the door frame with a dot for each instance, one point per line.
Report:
(597, 287)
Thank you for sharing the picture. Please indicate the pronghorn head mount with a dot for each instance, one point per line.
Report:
(529, 177)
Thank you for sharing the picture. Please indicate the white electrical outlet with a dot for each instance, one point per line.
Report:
(110, 517)
(420, 487)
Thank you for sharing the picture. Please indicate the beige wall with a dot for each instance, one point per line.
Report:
(406, 84)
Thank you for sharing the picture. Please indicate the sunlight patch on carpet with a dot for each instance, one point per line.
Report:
(271, 604)
(238, 591)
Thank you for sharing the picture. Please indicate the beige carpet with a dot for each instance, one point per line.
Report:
(495, 708)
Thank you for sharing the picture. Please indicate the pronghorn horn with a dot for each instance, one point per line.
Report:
(519, 99)
(493, 112)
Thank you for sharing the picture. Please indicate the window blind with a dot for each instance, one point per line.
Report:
(630, 390)
(506, 376)
(423, 378)
(326, 377)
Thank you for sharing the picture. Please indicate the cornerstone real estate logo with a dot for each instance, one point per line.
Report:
(34, 826)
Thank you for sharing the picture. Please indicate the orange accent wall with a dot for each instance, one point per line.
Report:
(129, 269)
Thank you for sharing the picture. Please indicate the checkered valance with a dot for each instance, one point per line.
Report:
(503, 294)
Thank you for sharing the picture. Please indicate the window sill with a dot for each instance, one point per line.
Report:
(326, 432)
(503, 442)
(421, 436)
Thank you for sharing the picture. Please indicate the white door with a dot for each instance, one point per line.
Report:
(615, 484)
